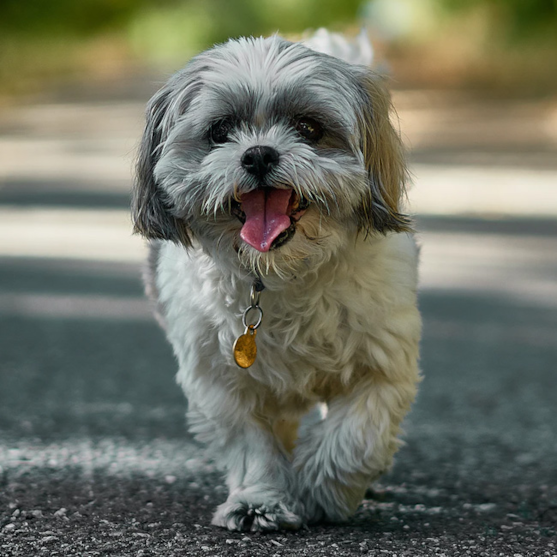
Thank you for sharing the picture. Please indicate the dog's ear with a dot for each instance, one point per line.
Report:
(150, 213)
(384, 159)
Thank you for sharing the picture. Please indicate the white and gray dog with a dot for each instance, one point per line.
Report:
(270, 168)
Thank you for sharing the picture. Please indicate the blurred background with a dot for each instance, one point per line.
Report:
(492, 44)
(87, 393)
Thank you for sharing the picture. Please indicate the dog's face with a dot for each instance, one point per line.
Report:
(270, 153)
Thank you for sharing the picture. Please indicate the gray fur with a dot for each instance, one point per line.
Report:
(185, 184)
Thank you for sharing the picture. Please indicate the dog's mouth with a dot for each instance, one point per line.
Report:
(269, 216)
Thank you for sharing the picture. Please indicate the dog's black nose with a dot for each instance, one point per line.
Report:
(260, 160)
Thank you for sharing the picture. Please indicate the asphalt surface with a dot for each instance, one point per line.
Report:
(95, 458)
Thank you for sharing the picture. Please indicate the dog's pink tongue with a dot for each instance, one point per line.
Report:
(266, 217)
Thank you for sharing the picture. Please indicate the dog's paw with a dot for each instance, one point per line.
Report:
(243, 515)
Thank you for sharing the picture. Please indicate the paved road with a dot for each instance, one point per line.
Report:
(94, 457)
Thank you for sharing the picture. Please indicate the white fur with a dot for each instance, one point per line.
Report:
(357, 51)
(341, 327)
(347, 334)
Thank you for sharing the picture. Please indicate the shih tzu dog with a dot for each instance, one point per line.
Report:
(270, 180)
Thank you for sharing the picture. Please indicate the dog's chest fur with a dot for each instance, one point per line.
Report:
(347, 317)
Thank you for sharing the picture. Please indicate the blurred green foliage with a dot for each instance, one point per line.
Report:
(68, 17)
(178, 28)
(515, 20)
(50, 37)
(43, 38)
(225, 17)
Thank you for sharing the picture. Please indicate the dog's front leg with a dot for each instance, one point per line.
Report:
(258, 471)
(338, 458)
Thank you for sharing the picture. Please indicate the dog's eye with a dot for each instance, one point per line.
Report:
(219, 131)
(309, 129)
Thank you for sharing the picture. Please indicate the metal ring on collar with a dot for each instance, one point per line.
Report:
(245, 316)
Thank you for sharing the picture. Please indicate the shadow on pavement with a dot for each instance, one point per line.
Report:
(62, 194)
(508, 226)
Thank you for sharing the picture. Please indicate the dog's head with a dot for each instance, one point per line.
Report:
(270, 152)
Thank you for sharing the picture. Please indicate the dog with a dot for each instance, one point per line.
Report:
(270, 183)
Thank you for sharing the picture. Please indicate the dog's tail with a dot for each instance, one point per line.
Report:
(358, 50)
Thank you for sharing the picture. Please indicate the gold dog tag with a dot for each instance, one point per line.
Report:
(245, 350)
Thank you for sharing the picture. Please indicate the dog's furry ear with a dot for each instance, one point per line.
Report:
(150, 213)
(384, 159)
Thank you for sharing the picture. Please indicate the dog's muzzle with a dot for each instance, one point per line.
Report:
(269, 216)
